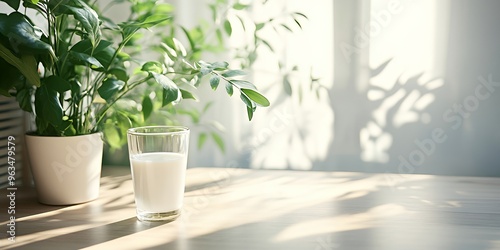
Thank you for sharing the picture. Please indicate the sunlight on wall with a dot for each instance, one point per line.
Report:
(406, 42)
(292, 134)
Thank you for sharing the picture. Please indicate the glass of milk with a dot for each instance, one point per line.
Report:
(158, 159)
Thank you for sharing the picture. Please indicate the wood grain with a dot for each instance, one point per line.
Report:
(265, 209)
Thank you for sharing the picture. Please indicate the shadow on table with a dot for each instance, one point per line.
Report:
(93, 236)
(387, 212)
(53, 220)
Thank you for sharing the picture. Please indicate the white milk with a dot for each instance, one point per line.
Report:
(159, 180)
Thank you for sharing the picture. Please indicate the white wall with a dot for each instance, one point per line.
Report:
(401, 118)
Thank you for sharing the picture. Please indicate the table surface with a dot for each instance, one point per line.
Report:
(265, 209)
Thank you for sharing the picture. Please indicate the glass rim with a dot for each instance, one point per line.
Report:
(168, 130)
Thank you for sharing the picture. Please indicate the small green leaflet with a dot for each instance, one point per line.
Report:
(201, 140)
(229, 88)
(231, 73)
(109, 88)
(214, 82)
(188, 95)
(256, 97)
(171, 92)
(147, 107)
(152, 67)
(89, 20)
(218, 140)
(228, 28)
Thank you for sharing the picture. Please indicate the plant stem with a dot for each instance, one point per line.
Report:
(225, 79)
(109, 105)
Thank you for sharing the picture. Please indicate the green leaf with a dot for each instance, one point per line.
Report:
(57, 83)
(103, 52)
(47, 106)
(128, 29)
(201, 140)
(287, 86)
(229, 88)
(23, 37)
(120, 74)
(153, 20)
(142, 6)
(84, 59)
(41, 124)
(147, 107)
(26, 65)
(220, 38)
(13, 3)
(155, 67)
(246, 100)
(23, 97)
(231, 73)
(213, 11)
(257, 97)
(85, 46)
(76, 87)
(179, 46)
(58, 7)
(228, 28)
(205, 70)
(220, 65)
(214, 82)
(89, 20)
(249, 113)
(171, 92)
(188, 95)
(164, 8)
(123, 56)
(170, 51)
(239, 6)
(218, 141)
(192, 43)
(242, 84)
(259, 26)
(109, 88)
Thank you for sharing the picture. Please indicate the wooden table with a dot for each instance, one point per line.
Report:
(263, 209)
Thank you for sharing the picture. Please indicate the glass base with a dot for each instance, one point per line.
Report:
(165, 217)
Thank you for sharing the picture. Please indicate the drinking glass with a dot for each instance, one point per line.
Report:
(158, 159)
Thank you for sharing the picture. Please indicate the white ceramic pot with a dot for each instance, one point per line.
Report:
(66, 170)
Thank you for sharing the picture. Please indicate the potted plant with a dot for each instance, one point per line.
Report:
(69, 70)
